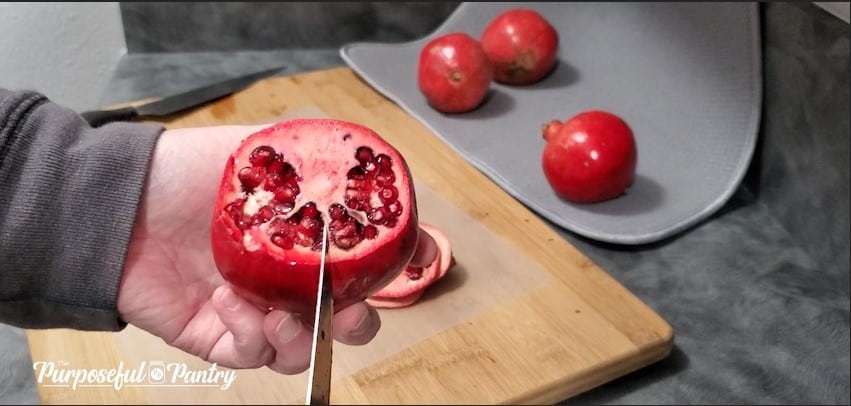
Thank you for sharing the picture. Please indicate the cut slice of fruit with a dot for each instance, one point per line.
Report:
(411, 283)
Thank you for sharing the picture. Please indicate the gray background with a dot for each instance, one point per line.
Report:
(758, 294)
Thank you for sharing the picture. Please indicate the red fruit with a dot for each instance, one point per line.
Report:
(521, 45)
(409, 285)
(267, 230)
(589, 158)
(454, 73)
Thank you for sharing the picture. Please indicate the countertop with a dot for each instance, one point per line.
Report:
(758, 294)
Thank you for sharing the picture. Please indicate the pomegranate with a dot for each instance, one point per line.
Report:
(453, 73)
(283, 184)
(395, 302)
(589, 158)
(409, 285)
(521, 45)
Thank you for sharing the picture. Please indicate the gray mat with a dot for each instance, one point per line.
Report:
(685, 76)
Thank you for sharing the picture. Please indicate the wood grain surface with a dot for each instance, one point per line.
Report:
(576, 329)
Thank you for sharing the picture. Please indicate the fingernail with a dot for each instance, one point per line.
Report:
(230, 300)
(288, 328)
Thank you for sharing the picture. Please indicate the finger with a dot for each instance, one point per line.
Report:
(357, 324)
(245, 345)
(426, 250)
(291, 340)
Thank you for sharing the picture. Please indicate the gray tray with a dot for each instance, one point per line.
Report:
(685, 76)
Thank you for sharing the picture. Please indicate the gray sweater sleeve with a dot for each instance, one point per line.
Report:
(68, 200)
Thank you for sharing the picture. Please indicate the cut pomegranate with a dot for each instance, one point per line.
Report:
(395, 302)
(283, 184)
(409, 285)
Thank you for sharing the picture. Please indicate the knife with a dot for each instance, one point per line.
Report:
(172, 104)
(319, 381)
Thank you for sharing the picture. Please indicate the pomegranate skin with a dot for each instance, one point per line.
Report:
(287, 279)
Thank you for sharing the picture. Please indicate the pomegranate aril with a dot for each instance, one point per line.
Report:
(414, 273)
(282, 240)
(262, 156)
(390, 222)
(276, 166)
(344, 234)
(377, 215)
(370, 232)
(283, 207)
(363, 155)
(309, 210)
(388, 194)
(266, 213)
(291, 180)
(251, 177)
(395, 209)
(273, 181)
(356, 173)
(385, 179)
(235, 207)
(356, 202)
(286, 194)
(384, 163)
(337, 211)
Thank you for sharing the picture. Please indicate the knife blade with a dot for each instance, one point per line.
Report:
(319, 381)
(174, 103)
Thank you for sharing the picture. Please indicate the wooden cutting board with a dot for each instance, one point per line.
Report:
(525, 317)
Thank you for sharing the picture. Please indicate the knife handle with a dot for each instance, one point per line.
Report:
(98, 118)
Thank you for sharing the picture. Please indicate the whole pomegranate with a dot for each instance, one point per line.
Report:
(453, 73)
(521, 45)
(283, 184)
(589, 158)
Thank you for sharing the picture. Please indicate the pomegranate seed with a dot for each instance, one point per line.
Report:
(291, 180)
(285, 194)
(388, 194)
(390, 222)
(234, 208)
(356, 173)
(266, 213)
(337, 211)
(344, 234)
(251, 177)
(283, 207)
(395, 209)
(385, 179)
(370, 232)
(273, 181)
(414, 273)
(262, 156)
(309, 210)
(384, 163)
(275, 166)
(378, 215)
(363, 155)
(282, 240)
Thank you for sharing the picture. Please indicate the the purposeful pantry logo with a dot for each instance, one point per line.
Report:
(150, 373)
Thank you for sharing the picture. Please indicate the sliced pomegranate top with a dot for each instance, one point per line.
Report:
(298, 175)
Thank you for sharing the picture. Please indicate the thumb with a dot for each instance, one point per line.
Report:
(244, 321)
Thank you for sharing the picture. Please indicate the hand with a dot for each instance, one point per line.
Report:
(171, 287)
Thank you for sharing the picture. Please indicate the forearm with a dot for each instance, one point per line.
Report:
(68, 200)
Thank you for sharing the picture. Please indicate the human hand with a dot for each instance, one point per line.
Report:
(172, 288)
